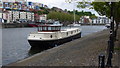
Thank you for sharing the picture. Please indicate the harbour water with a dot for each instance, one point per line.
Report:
(15, 46)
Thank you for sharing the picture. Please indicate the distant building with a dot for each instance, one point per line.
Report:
(0, 14)
(85, 19)
(1, 5)
(13, 0)
(98, 20)
(15, 10)
(45, 6)
(101, 20)
(4, 15)
(43, 17)
(39, 18)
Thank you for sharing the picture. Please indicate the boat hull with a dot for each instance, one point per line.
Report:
(52, 43)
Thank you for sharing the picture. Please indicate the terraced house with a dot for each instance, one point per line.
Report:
(22, 11)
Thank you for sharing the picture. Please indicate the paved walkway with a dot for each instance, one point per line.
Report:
(80, 52)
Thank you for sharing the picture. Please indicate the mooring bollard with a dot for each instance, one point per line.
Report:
(101, 61)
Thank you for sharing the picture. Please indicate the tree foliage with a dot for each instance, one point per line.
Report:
(61, 16)
(104, 8)
(82, 13)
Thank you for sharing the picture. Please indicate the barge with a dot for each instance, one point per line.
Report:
(50, 35)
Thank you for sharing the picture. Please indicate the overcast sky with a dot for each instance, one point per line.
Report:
(62, 4)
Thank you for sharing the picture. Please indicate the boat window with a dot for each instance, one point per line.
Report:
(59, 28)
(49, 28)
(56, 28)
(53, 28)
(40, 28)
(44, 28)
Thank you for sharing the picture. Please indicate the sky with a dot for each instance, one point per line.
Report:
(63, 4)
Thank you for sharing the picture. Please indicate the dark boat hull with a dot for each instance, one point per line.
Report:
(33, 25)
(52, 43)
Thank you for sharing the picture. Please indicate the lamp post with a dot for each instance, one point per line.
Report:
(111, 38)
(26, 12)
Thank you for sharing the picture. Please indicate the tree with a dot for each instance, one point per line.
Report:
(65, 10)
(63, 17)
(82, 13)
(103, 8)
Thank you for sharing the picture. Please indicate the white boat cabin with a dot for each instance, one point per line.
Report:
(49, 28)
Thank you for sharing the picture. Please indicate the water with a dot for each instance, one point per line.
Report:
(16, 47)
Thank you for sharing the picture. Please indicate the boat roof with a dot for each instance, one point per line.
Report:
(71, 29)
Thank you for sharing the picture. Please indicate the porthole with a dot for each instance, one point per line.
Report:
(67, 33)
(50, 36)
(71, 32)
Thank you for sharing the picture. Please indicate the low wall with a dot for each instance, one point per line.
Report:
(91, 24)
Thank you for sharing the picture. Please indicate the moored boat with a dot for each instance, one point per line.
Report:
(50, 35)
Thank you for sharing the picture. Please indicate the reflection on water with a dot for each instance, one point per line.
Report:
(35, 50)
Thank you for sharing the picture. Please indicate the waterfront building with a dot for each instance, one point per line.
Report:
(36, 17)
(30, 5)
(10, 16)
(101, 20)
(43, 17)
(4, 16)
(1, 5)
(20, 10)
(32, 17)
(41, 5)
(22, 15)
(39, 18)
(45, 6)
(0, 14)
(13, 0)
(85, 19)
(15, 15)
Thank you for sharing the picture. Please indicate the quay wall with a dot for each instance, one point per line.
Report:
(91, 24)
(17, 25)
(14, 25)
